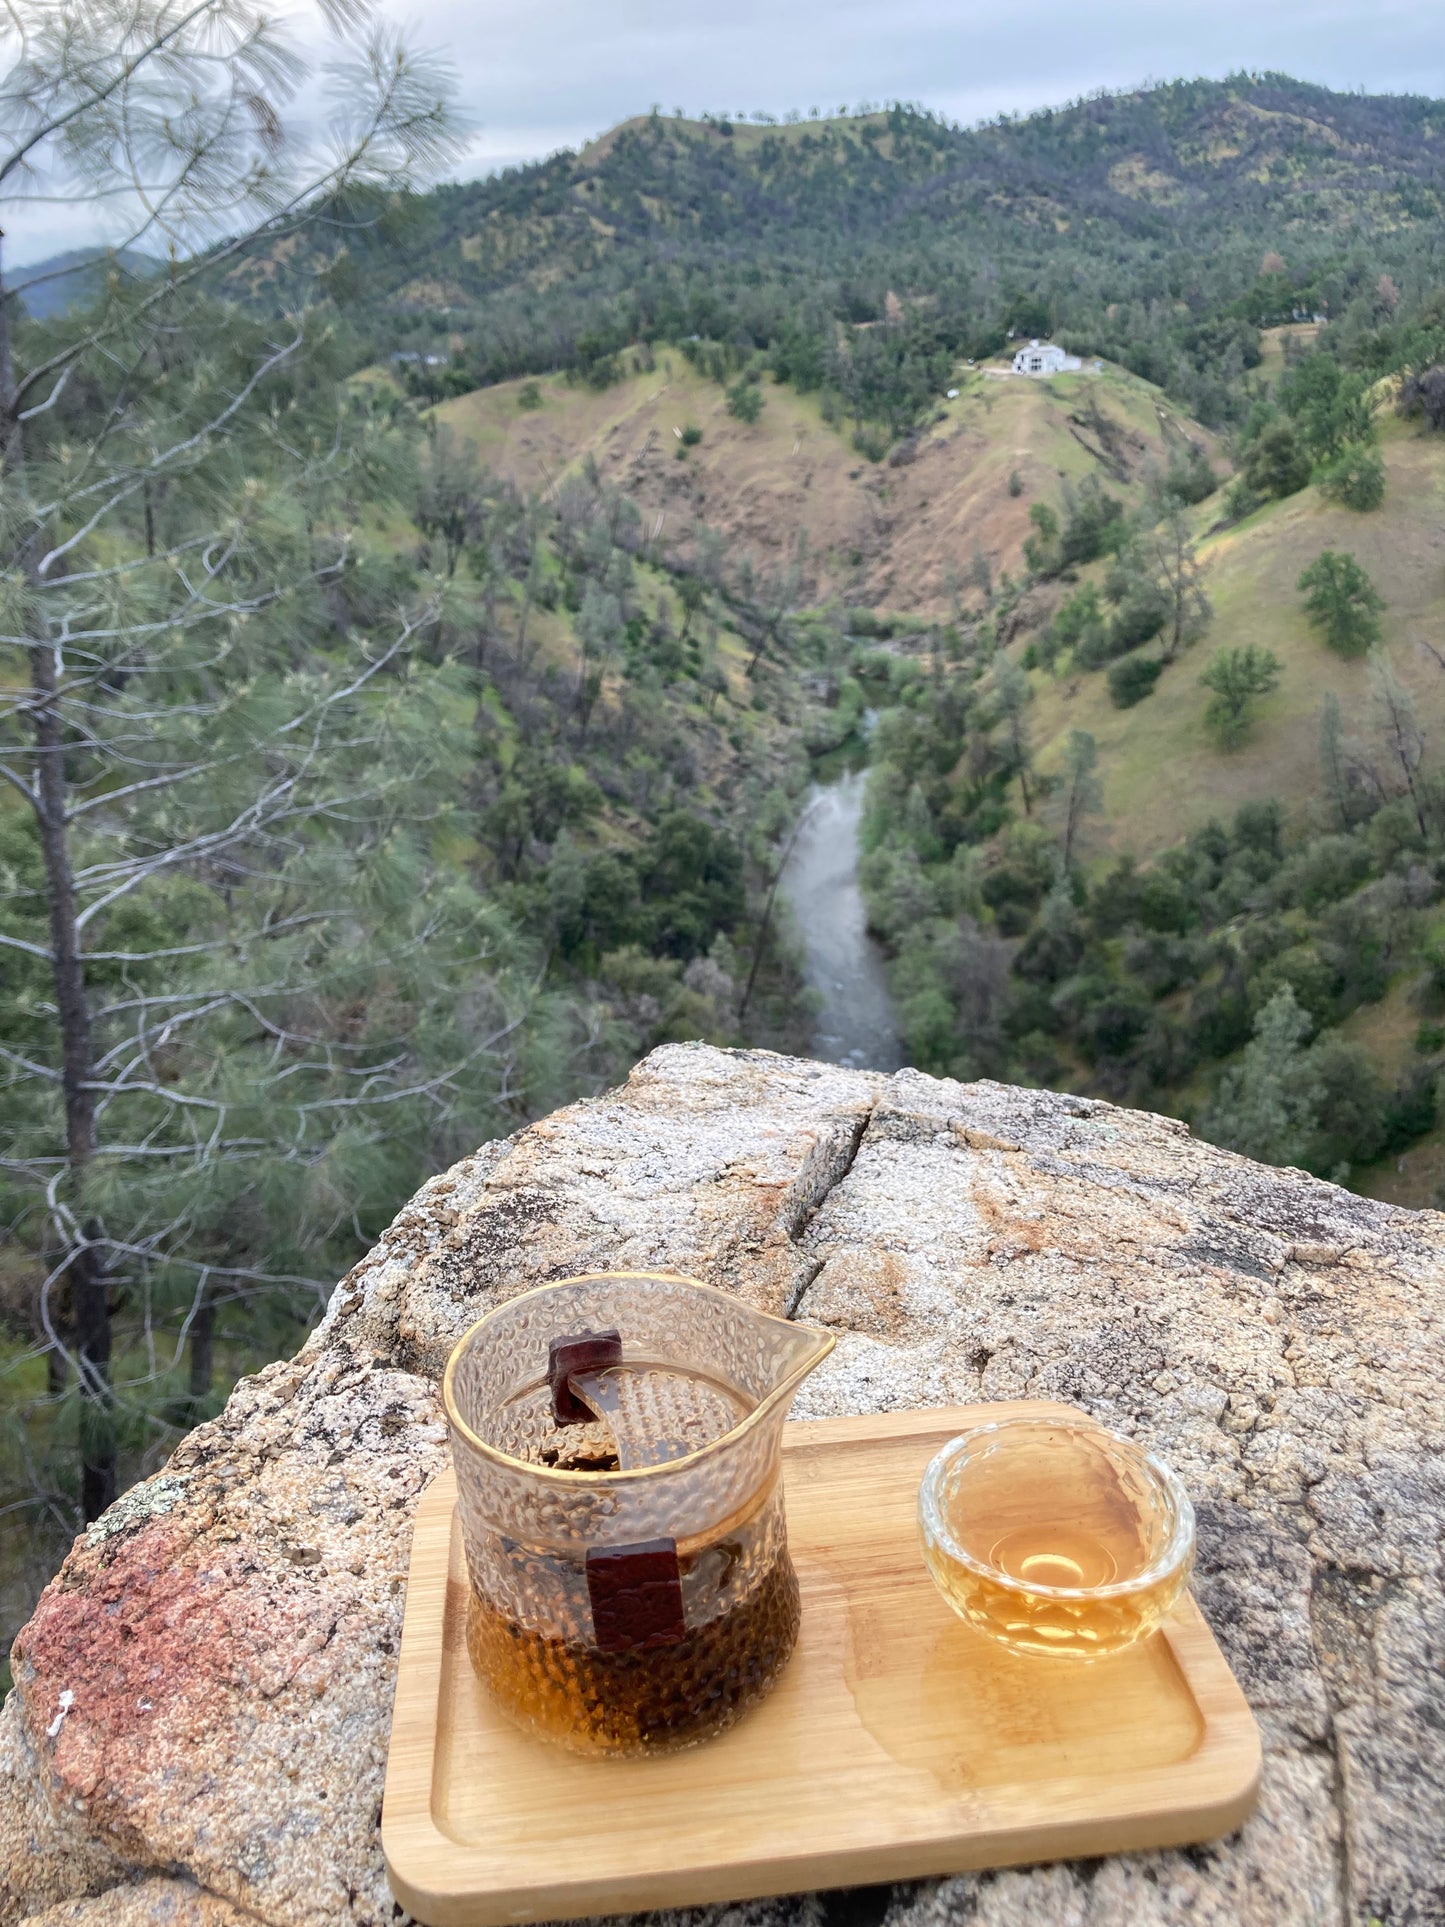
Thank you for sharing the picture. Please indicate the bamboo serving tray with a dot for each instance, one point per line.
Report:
(898, 1743)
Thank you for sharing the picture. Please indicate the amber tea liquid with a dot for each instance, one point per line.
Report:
(1044, 1524)
(650, 1699)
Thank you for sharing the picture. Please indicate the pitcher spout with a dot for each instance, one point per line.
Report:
(800, 1349)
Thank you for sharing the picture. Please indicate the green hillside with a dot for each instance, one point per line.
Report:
(1091, 872)
(1157, 228)
(1162, 776)
(48, 288)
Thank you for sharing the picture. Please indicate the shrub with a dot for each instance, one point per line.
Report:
(1351, 1125)
(1164, 963)
(1131, 680)
(1309, 977)
(691, 878)
(1326, 869)
(745, 400)
(1355, 478)
(1190, 478)
(1330, 405)
(691, 436)
(1240, 499)
(1414, 1107)
(1259, 828)
(1013, 896)
(1079, 625)
(1108, 1017)
(866, 622)
(529, 396)
(1094, 524)
(1219, 1018)
(1041, 549)
(1362, 939)
(1237, 677)
(602, 373)
(1342, 602)
(1277, 464)
(1289, 1102)
(872, 443)
(1163, 904)
(1141, 614)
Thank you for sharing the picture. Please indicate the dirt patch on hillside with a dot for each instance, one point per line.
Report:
(898, 534)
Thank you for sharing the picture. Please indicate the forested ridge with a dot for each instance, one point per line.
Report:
(1158, 228)
(368, 796)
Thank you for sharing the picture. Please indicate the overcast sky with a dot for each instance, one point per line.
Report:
(543, 74)
(536, 75)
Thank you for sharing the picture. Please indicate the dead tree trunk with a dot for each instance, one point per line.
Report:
(89, 1286)
(85, 1268)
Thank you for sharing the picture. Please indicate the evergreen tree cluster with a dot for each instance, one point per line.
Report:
(1015, 955)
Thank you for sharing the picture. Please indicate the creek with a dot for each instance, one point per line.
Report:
(855, 1024)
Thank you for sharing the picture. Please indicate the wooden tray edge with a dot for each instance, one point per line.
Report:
(445, 1904)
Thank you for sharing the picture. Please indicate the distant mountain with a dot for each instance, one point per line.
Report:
(47, 288)
(1160, 228)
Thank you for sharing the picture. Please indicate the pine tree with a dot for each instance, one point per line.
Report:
(1266, 1105)
(244, 1013)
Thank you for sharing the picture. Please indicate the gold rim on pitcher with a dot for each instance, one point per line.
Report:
(783, 1390)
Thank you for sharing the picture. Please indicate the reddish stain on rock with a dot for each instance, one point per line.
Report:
(150, 1638)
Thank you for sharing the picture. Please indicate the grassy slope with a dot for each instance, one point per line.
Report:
(878, 534)
(745, 137)
(1162, 775)
(551, 640)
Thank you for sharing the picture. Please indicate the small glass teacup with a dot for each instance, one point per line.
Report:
(1055, 1536)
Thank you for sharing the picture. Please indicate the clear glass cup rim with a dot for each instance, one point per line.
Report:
(823, 1344)
(1174, 1553)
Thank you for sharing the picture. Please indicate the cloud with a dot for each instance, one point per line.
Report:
(35, 230)
(571, 68)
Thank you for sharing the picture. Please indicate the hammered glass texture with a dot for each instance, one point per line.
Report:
(527, 1528)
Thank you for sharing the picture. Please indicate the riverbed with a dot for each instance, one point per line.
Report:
(855, 1025)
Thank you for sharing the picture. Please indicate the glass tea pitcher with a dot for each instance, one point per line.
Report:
(617, 1446)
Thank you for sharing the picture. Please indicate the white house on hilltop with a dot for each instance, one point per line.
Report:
(1044, 358)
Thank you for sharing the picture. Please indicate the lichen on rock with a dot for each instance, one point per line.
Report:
(199, 1726)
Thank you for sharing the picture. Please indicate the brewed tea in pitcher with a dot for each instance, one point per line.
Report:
(617, 1449)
